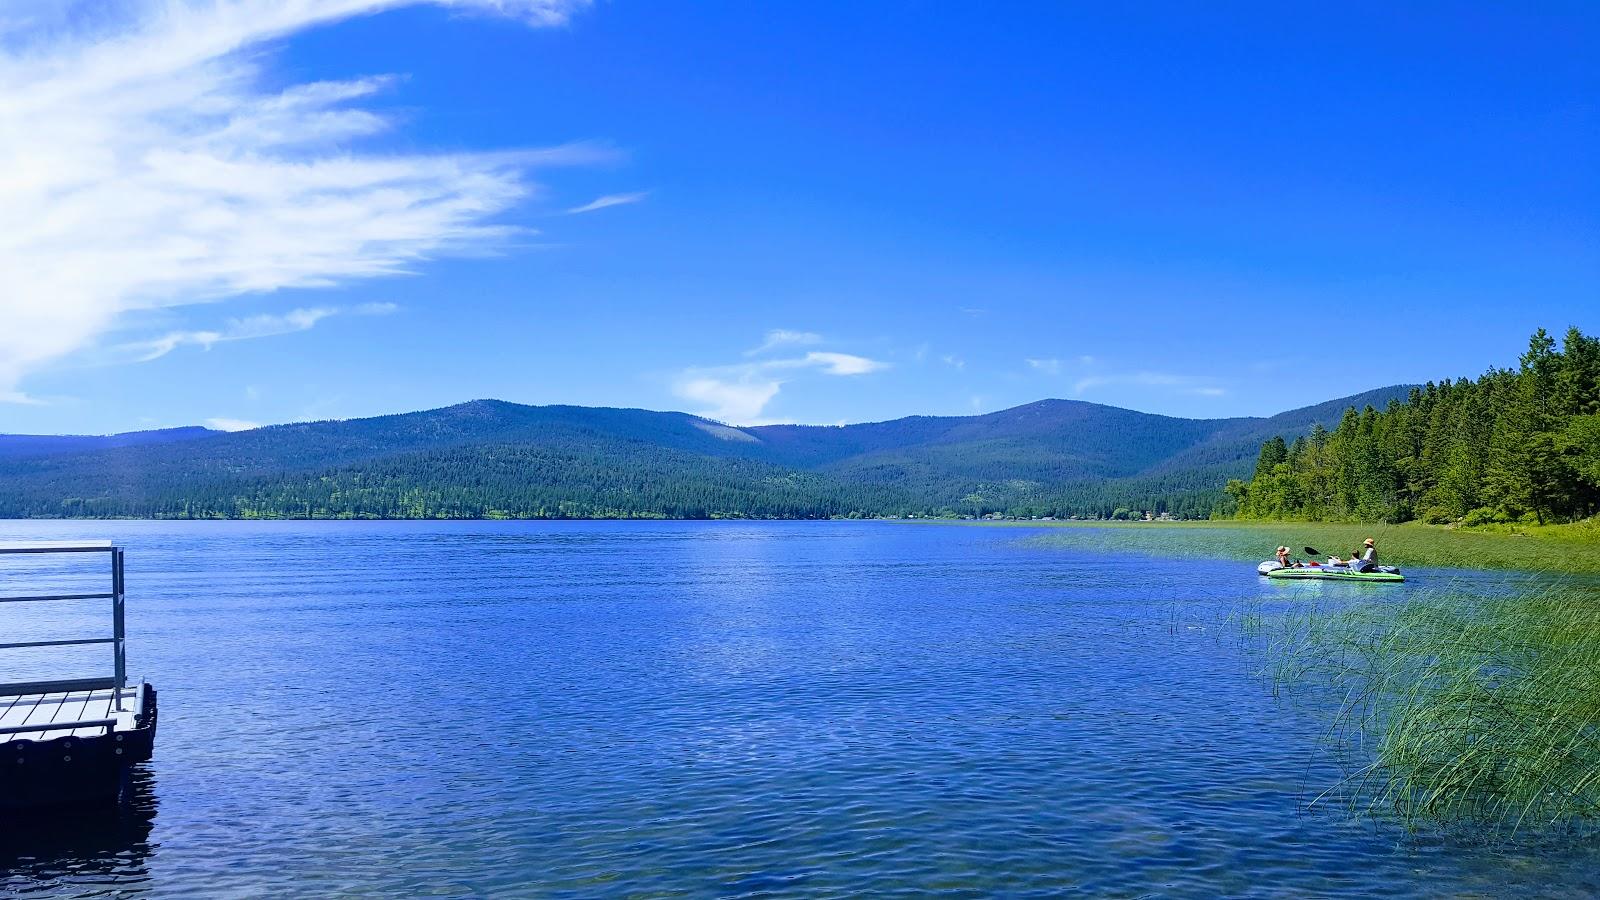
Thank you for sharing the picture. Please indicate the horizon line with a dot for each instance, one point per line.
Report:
(703, 418)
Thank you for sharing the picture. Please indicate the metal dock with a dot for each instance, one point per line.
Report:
(71, 741)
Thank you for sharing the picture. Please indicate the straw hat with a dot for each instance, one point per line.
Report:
(1283, 549)
(1368, 542)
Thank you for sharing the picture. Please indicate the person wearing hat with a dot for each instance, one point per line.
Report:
(1283, 557)
(1366, 559)
(1363, 560)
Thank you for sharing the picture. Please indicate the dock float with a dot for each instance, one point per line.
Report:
(72, 741)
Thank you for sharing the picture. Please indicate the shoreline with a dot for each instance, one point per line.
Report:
(1572, 549)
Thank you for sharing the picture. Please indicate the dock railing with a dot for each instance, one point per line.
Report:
(118, 680)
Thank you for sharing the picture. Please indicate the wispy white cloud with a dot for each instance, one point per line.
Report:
(834, 363)
(739, 400)
(783, 337)
(740, 393)
(265, 325)
(924, 352)
(147, 164)
(1195, 385)
(226, 424)
(609, 200)
(1086, 379)
(1055, 366)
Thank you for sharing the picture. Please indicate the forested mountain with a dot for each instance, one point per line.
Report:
(489, 458)
(14, 445)
(1515, 445)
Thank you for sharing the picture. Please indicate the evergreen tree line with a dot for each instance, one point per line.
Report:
(1515, 445)
(569, 480)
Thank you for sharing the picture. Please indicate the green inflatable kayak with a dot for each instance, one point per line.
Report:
(1333, 573)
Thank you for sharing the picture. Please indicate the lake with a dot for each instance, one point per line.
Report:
(719, 709)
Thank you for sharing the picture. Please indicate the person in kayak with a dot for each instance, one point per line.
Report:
(1283, 558)
(1368, 560)
(1363, 560)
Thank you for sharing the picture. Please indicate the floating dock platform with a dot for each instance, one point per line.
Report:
(72, 741)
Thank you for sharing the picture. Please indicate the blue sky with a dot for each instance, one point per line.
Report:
(814, 212)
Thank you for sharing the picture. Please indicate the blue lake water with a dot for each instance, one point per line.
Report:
(715, 709)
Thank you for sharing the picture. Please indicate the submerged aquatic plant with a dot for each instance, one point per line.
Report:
(1475, 712)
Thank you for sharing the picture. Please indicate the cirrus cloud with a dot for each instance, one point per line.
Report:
(833, 363)
(738, 400)
(608, 201)
(223, 423)
(739, 393)
(1195, 385)
(258, 326)
(147, 165)
(784, 337)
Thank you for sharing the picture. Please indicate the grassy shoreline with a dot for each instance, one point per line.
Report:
(1463, 711)
(1564, 549)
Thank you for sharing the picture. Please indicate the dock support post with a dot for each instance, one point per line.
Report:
(118, 630)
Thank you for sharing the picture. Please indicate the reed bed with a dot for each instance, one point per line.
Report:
(1573, 549)
(1457, 711)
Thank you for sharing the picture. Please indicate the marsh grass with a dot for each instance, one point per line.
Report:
(1571, 549)
(1482, 713)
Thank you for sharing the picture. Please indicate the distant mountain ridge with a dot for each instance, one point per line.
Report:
(491, 458)
(15, 445)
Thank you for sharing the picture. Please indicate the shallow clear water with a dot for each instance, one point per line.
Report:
(711, 709)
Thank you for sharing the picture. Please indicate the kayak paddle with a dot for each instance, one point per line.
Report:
(1313, 551)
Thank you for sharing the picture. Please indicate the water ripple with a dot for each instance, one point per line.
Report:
(712, 709)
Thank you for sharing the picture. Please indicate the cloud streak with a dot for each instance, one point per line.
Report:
(739, 394)
(738, 400)
(1184, 384)
(608, 201)
(147, 166)
(1090, 380)
(832, 363)
(266, 325)
(783, 337)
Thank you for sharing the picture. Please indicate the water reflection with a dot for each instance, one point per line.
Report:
(87, 851)
(721, 708)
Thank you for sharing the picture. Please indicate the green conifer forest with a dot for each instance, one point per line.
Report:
(1514, 445)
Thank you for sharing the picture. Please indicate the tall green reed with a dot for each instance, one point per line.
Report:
(1463, 711)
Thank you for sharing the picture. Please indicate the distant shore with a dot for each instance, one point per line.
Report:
(1567, 549)
(1563, 549)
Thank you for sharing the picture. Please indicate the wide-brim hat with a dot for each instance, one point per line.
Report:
(1283, 549)
(1368, 542)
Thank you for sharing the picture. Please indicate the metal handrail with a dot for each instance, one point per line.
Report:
(55, 685)
(56, 547)
(118, 639)
(46, 597)
(59, 726)
(68, 643)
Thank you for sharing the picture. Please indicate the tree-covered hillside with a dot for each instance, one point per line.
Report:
(16, 445)
(489, 458)
(1516, 444)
